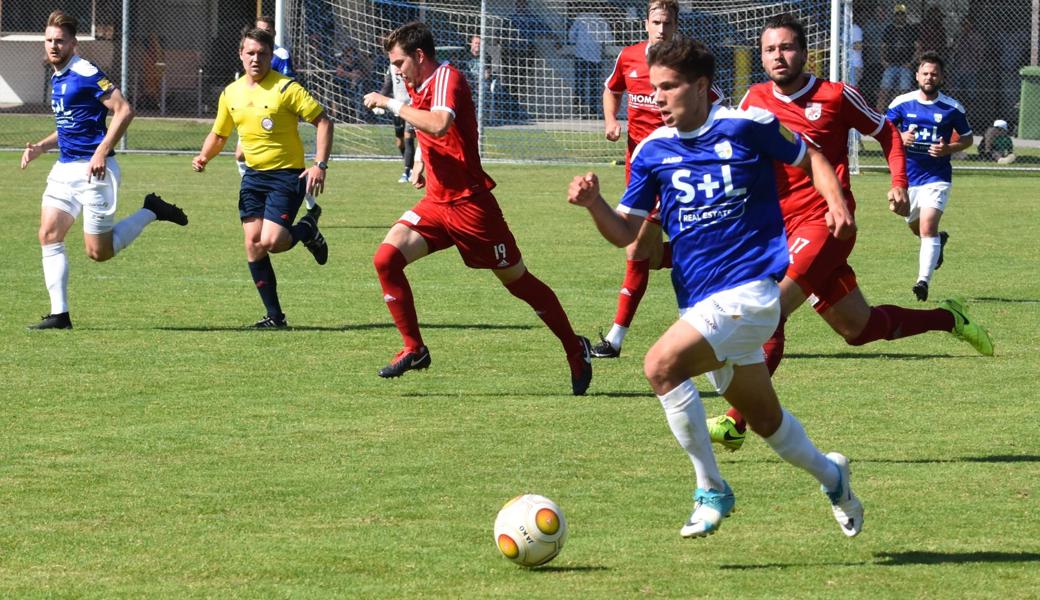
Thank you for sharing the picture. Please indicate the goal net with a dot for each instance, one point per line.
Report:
(538, 96)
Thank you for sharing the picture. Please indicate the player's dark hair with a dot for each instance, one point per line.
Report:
(411, 37)
(65, 21)
(267, 20)
(932, 58)
(686, 56)
(261, 36)
(787, 21)
(669, 6)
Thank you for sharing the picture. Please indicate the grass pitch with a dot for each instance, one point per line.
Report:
(162, 449)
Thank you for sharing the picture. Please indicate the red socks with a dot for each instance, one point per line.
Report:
(637, 276)
(547, 306)
(397, 294)
(888, 322)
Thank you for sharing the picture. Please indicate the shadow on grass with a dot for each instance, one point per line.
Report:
(996, 458)
(917, 557)
(899, 559)
(346, 327)
(573, 569)
(1007, 300)
(869, 355)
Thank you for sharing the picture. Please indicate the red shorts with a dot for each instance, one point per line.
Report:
(819, 264)
(474, 225)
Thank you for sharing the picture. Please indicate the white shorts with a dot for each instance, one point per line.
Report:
(736, 322)
(68, 191)
(930, 195)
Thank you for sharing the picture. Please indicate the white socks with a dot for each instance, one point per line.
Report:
(685, 413)
(56, 276)
(127, 230)
(930, 247)
(616, 335)
(794, 446)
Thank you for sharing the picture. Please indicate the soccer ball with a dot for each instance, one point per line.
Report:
(530, 530)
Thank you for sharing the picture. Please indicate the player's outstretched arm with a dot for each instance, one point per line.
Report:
(620, 230)
(892, 146)
(611, 103)
(122, 114)
(839, 218)
(210, 147)
(32, 151)
(435, 123)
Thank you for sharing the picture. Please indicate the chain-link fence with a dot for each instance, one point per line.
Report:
(983, 45)
(536, 66)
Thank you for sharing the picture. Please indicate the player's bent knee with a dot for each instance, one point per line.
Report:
(387, 259)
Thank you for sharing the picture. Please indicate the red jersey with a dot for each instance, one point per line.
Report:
(453, 169)
(631, 74)
(823, 112)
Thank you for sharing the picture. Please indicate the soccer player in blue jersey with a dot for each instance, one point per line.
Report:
(927, 119)
(265, 107)
(712, 168)
(86, 177)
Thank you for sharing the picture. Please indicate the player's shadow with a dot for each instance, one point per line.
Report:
(1007, 300)
(868, 355)
(646, 394)
(901, 559)
(921, 557)
(996, 458)
(345, 327)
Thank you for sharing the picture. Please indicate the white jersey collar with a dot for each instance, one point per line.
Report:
(805, 90)
(432, 75)
(686, 135)
(75, 59)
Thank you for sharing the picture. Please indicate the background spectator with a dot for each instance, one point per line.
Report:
(588, 35)
(897, 53)
(996, 144)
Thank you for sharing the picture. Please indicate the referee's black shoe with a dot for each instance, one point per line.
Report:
(164, 211)
(317, 245)
(54, 321)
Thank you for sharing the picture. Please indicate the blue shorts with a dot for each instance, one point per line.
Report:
(274, 195)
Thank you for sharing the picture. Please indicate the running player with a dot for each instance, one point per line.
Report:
(458, 208)
(712, 169)
(823, 113)
(86, 177)
(927, 119)
(631, 74)
(265, 107)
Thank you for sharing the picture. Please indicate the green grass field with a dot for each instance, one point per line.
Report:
(163, 449)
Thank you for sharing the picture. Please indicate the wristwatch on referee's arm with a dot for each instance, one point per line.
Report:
(324, 166)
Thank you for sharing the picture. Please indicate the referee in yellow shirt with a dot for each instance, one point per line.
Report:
(265, 107)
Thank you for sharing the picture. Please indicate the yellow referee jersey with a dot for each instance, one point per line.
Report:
(266, 116)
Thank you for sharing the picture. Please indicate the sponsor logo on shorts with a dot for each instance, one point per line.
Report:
(410, 217)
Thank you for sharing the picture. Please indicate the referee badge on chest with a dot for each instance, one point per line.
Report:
(267, 123)
(813, 110)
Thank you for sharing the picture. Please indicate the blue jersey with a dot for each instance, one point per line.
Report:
(719, 204)
(79, 115)
(929, 120)
(282, 62)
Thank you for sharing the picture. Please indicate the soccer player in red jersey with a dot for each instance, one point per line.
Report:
(458, 208)
(823, 112)
(632, 74)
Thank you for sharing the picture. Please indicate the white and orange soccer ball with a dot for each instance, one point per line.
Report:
(530, 530)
